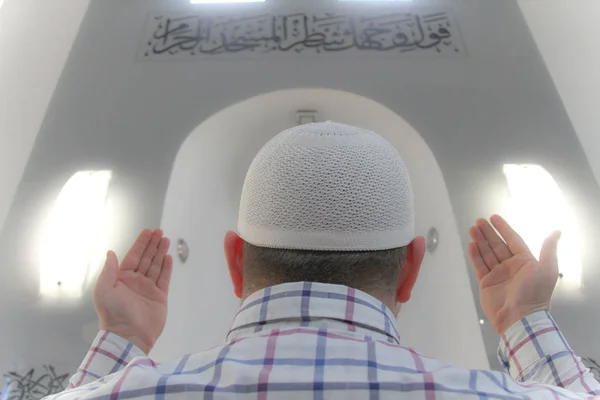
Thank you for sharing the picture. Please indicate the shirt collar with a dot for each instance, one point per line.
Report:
(300, 303)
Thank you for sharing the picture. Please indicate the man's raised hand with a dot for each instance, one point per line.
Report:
(131, 298)
(512, 282)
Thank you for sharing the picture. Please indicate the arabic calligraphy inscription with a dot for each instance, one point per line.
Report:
(32, 385)
(185, 36)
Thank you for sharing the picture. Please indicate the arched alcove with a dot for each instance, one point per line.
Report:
(202, 204)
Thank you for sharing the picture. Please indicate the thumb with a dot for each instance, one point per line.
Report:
(548, 255)
(108, 275)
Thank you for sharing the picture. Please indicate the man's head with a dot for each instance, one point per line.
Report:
(327, 203)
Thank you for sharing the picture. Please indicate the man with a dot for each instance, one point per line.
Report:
(325, 254)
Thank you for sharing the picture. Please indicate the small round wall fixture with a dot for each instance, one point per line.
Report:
(183, 250)
(432, 239)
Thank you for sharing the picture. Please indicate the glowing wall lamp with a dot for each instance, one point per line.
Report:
(224, 1)
(537, 208)
(74, 243)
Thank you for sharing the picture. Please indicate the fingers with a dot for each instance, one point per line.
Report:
(134, 256)
(488, 256)
(148, 256)
(478, 264)
(495, 242)
(157, 262)
(165, 274)
(513, 240)
(548, 255)
(150, 252)
(108, 275)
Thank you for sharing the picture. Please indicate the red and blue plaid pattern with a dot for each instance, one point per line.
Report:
(534, 349)
(313, 341)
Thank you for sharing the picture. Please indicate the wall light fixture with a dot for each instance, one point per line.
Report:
(537, 208)
(74, 241)
(224, 1)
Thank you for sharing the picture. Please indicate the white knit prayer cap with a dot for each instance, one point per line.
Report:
(327, 186)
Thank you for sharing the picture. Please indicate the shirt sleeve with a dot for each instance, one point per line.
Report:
(534, 350)
(109, 353)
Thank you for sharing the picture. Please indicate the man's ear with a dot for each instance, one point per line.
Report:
(234, 253)
(415, 251)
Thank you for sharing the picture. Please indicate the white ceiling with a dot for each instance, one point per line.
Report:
(35, 40)
(566, 33)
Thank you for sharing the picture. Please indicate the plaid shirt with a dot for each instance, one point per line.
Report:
(313, 341)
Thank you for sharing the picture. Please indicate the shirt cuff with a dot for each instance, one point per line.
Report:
(108, 354)
(530, 340)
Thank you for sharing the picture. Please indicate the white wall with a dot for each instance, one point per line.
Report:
(566, 33)
(35, 40)
(202, 203)
(494, 106)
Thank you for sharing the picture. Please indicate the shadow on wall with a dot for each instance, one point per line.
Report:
(202, 204)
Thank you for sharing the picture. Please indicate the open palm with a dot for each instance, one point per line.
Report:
(131, 299)
(512, 282)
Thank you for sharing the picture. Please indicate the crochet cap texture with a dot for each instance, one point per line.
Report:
(330, 187)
